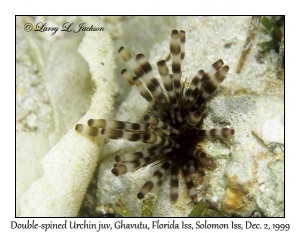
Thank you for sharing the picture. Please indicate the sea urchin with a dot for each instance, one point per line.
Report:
(174, 129)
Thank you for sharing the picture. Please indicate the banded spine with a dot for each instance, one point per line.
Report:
(174, 129)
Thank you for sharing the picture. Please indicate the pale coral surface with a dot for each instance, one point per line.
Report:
(68, 78)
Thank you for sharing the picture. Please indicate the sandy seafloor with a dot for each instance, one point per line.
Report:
(68, 78)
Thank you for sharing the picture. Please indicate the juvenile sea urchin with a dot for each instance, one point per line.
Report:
(175, 127)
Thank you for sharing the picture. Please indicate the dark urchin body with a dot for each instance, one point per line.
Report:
(174, 129)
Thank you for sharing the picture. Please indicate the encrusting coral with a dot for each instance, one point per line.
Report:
(69, 165)
(245, 100)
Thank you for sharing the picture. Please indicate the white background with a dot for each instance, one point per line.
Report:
(137, 7)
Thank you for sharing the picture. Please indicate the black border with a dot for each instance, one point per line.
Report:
(146, 217)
